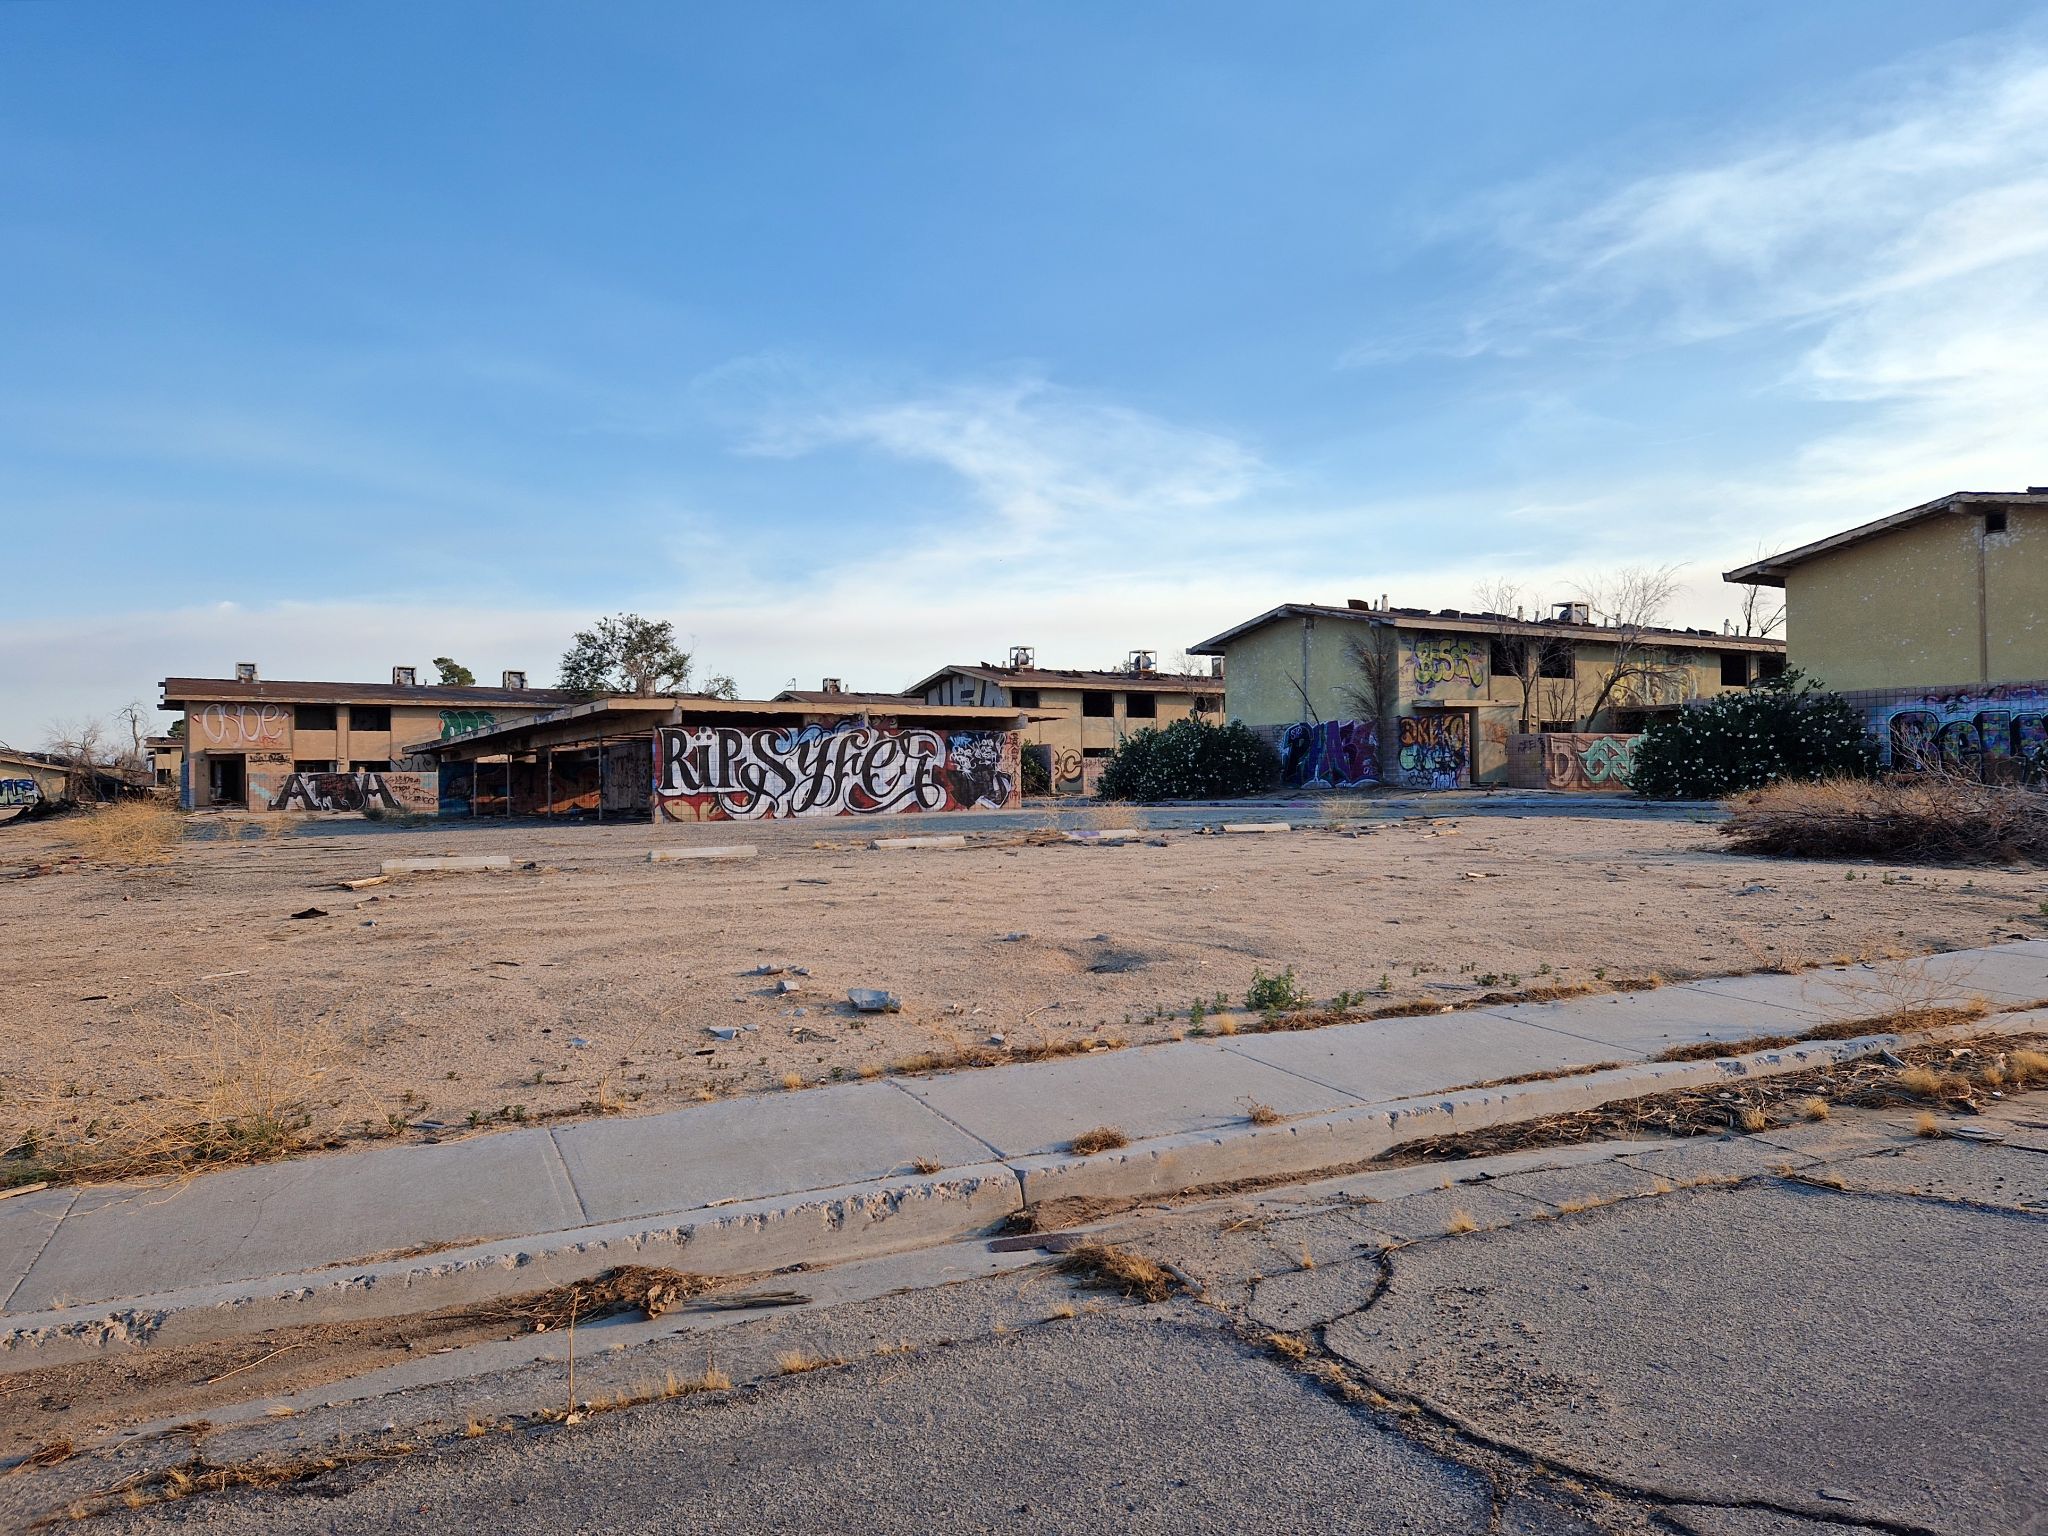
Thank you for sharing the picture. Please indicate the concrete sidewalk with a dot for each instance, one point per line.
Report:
(753, 1182)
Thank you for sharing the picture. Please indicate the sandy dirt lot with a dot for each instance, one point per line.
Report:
(591, 981)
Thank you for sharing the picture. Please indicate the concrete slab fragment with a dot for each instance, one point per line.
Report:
(453, 864)
(1159, 1091)
(1953, 1170)
(129, 1240)
(1379, 1060)
(1802, 993)
(1649, 1022)
(1435, 1213)
(742, 1149)
(677, 855)
(26, 1222)
(1256, 826)
(947, 840)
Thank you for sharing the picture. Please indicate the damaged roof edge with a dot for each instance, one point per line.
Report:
(1479, 624)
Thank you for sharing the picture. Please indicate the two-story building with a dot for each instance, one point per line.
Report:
(1079, 717)
(1367, 693)
(1934, 621)
(309, 746)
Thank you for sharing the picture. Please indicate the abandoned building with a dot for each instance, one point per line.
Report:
(1080, 717)
(1929, 620)
(690, 758)
(1368, 693)
(299, 746)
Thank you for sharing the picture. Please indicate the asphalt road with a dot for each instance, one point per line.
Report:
(1857, 1347)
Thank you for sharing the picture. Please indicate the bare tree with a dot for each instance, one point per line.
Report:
(135, 763)
(1376, 689)
(1518, 648)
(80, 745)
(1631, 604)
(1762, 614)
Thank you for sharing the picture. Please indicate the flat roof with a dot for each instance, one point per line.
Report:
(1770, 572)
(1052, 677)
(219, 690)
(632, 715)
(1459, 622)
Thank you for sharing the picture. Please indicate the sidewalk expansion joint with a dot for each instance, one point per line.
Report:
(994, 1151)
(29, 1268)
(569, 1177)
(1354, 1101)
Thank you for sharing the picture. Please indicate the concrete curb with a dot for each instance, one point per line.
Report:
(876, 1217)
(866, 1220)
(463, 863)
(942, 840)
(673, 855)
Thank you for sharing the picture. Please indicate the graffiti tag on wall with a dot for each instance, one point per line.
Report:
(735, 773)
(395, 792)
(241, 725)
(1436, 749)
(1330, 754)
(1437, 663)
(1994, 735)
(1578, 761)
(455, 721)
(20, 792)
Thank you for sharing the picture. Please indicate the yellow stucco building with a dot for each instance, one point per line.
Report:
(1458, 688)
(1934, 621)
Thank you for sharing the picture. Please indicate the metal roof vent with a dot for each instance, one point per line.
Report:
(512, 681)
(245, 671)
(1022, 656)
(405, 677)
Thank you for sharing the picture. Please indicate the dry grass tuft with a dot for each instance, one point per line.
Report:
(792, 1080)
(1307, 1260)
(1713, 1050)
(1288, 1346)
(2026, 1068)
(925, 1165)
(1927, 818)
(1062, 1309)
(1104, 1138)
(1262, 1114)
(1752, 1119)
(1814, 1108)
(1461, 1220)
(1104, 1267)
(127, 832)
(1924, 1124)
(794, 1362)
(1924, 1081)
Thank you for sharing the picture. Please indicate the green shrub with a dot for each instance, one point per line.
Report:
(1274, 994)
(1782, 728)
(1190, 760)
(1037, 771)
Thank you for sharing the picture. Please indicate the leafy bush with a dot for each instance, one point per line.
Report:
(1037, 771)
(1783, 728)
(1274, 994)
(1190, 760)
(1930, 818)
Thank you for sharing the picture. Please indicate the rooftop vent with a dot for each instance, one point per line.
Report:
(1023, 656)
(513, 680)
(1144, 661)
(245, 671)
(832, 685)
(405, 677)
(1574, 613)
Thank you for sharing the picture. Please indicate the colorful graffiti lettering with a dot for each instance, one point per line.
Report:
(1066, 771)
(1587, 761)
(1330, 754)
(1436, 749)
(352, 792)
(20, 792)
(730, 773)
(2000, 736)
(241, 725)
(455, 721)
(1437, 661)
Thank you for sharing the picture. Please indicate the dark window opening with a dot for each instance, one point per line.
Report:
(313, 717)
(1141, 706)
(1503, 658)
(1207, 704)
(376, 765)
(313, 765)
(1098, 706)
(1560, 727)
(1734, 669)
(1994, 522)
(1024, 698)
(1095, 752)
(1556, 662)
(369, 717)
(1772, 665)
(226, 779)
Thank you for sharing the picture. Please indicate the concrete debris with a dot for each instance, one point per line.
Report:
(1013, 938)
(1757, 890)
(785, 987)
(578, 1043)
(998, 1039)
(724, 1032)
(310, 912)
(365, 884)
(805, 1032)
(874, 1000)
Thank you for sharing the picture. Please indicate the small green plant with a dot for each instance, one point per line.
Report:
(1543, 969)
(1197, 1012)
(1274, 994)
(1487, 979)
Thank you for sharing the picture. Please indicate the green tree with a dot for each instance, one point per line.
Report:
(1781, 728)
(453, 673)
(629, 654)
(1190, 760)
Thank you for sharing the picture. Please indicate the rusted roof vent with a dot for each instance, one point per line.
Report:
(832, 685)
(512, 681)
(405, 677)
(1023, 656)
(1144, 661)
(245, 671)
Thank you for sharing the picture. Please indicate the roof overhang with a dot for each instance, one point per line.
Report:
(1771, 571)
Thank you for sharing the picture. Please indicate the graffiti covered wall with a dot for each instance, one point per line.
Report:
(1989, 734)
(1572, 761)
(396, 793)
(1330, 754)
(1444, 666)
(752, 773)
(240, 727)
(1436, 749)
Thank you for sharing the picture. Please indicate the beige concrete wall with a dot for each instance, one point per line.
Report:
(1898, 611)
(1074, 739)
(266, 738)
(2016, 597)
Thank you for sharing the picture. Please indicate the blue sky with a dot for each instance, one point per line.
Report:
(861, 338)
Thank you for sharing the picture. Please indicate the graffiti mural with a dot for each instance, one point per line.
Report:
(1330, 754)
(1066, 771)
(741, 773)
(20, 792)
(1588, 762)
(397, 793)
(1436, 749)
(1999, 735)
(1439, 664)
(455, 721)
(237, 727)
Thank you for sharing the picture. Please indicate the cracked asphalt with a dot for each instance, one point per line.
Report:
(1834, 1329)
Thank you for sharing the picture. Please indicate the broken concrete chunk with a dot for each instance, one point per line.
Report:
(311, 912)
(1013, 938)
(463, 864)
(724, 1032)
(874, 1000)
(784, 987)
(942, 840)
(678, 855)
